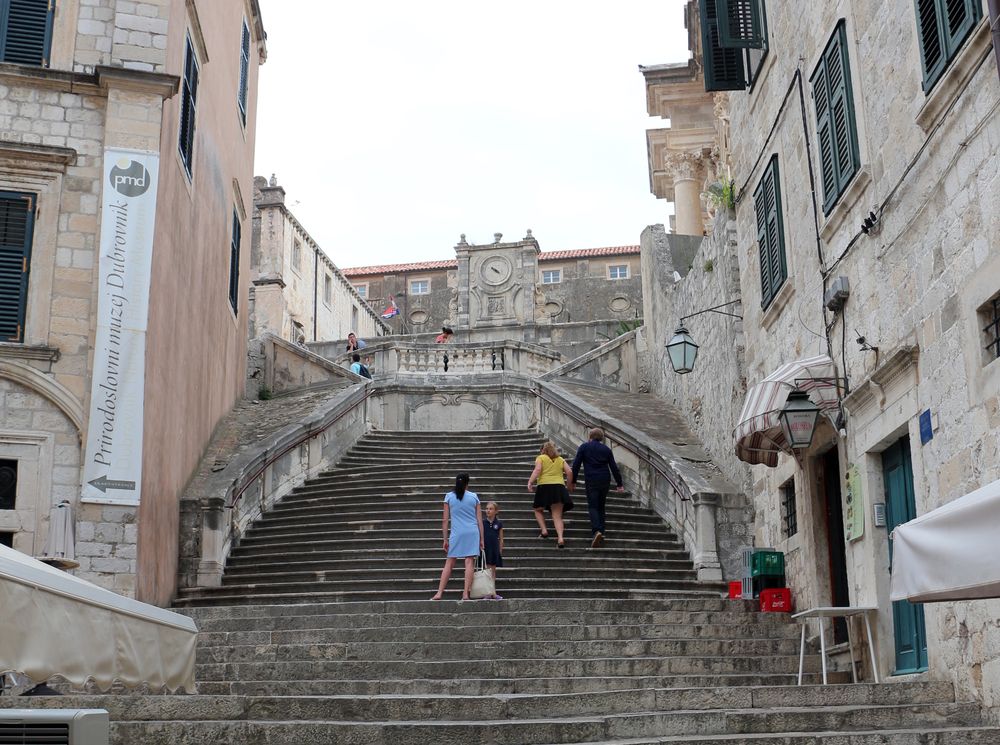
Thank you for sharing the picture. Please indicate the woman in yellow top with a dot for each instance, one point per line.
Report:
(551, 474)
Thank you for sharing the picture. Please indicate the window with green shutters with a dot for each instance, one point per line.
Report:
(734, 42)
(942, 27)
(189, 101)
(17, 220)
(836, 129)
(724, 66)
(770, 233)
(26, 31)
(234, 264)
(241, 96)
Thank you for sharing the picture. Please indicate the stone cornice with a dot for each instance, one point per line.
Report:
(899, 363)
(60, 157)
(139, 81)
(11, 351)
(44, 77)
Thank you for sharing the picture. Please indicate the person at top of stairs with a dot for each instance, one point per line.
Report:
(551, 474)
(464, 539)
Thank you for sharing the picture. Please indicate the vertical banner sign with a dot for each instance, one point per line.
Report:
(112, 471)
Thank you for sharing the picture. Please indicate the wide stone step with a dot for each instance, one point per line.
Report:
(510, 487)
(248, 618)
(488, 686)
(425, 581)
(480, 634)
(450, 650)
(688, 609)
(507, 576)
(241, 595)
(525, 667)
(450, 707)
(540, 549)
(338, 510)
(653, 536)
(534, 731)
(576, 540)
(513, 520)
(589, 560)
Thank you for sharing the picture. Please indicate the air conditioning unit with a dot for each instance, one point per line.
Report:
(54, 726)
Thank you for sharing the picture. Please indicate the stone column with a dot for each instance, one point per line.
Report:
(706, 554)
(688, 173)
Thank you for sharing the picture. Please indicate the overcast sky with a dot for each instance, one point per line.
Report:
(396, 126)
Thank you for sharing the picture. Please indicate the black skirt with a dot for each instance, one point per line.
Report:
(547, 495)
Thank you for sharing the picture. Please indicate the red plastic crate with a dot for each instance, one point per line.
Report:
(736, 590)
(778, 600)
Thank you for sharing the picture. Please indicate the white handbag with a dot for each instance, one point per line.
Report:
(483, 585)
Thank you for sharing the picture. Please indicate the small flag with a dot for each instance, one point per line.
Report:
(392, 310)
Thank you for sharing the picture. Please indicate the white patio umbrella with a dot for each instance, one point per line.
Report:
(951, 553)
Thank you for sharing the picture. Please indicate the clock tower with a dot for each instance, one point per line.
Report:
(497, 283)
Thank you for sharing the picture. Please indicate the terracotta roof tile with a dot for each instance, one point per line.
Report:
(416, 266)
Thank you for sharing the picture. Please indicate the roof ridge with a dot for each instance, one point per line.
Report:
(450, 263)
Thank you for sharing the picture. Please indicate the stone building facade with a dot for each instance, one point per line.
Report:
(172, 85)
(298, 292)
(864, 150)
(510, 285)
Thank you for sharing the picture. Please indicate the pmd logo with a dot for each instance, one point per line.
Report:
(130, 178)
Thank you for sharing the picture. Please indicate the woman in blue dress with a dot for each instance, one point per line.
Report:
(465, 539)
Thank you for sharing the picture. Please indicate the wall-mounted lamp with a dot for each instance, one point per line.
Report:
(798, 420)
(681, 348)
(682, 351)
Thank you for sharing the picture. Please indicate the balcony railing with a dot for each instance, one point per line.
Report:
(391, 357)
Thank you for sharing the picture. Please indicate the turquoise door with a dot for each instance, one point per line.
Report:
(901, 507)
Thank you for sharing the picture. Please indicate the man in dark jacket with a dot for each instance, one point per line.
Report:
(598, 467)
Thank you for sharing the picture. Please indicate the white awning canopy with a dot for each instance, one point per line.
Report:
(58, 624)
(758, 437)
(951, 553)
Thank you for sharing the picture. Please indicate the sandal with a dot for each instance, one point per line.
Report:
(543, 535)
(561, 544)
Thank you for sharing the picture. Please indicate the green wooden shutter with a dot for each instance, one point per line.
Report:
(244, 72)
(741, 23)
(724, 69)
(234, 264)
(836, 126)
(26, 31)
(942, 27)
(765, 276)
(17, 212)
(189, 101)
(770, 233)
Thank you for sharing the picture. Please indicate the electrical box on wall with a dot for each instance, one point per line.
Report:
(837, 294)
(879, 508)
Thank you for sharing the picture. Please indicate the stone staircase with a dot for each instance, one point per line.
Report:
(313, 637)
(370, 529)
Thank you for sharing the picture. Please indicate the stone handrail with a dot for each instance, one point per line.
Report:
(392, 357)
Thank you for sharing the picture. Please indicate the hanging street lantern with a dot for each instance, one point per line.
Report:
(798, 420)
(682, 351)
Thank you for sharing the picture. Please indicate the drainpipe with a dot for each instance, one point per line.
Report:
(995, 28)
(315, 288)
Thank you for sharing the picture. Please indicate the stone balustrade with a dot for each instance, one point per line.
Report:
(391, 357)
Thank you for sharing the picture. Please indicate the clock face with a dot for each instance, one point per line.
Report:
(495, 270)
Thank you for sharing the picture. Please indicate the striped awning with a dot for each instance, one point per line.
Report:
(758, 436)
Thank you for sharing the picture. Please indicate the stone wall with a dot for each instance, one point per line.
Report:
(707, 274)
(613, 364)
(584, 294)
(929, 171)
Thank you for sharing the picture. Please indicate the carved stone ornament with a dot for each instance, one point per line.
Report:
(495, 306)
(684, 166)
